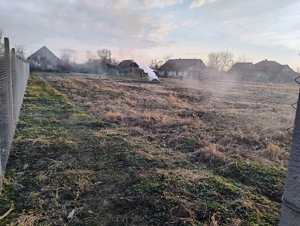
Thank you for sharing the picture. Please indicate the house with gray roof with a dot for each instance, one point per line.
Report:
(237, 70)
(270, 71)
(188, 68)
(44, 60)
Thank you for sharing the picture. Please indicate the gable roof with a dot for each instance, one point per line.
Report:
(59, 62)
(126, 63)
(180, 64)
(41, 50)
(240, 66)
(272, 67)
(267, 66)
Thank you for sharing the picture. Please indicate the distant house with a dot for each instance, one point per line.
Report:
(129, 67)
(270, 71)
(45, 60)
(112, 70)
(237, 70)
(188, 68)
(212, 73)
(144, 74)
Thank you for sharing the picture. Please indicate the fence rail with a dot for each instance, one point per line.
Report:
(14, 73)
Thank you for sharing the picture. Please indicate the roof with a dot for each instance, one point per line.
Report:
(272, 67)
(267, 66)
(180, 64)
(240, 66)
(126, 63)
(59, 62)
(44, 48)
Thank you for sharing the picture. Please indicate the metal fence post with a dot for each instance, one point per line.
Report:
(290, 212)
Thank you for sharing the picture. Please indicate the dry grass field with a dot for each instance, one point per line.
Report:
(127, 152)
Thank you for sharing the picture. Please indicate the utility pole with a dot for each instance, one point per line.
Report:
(290, 212)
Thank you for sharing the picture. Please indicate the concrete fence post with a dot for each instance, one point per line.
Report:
(9, 110)
(290, 212)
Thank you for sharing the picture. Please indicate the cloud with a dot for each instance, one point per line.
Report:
(199, 3)
(159, 3)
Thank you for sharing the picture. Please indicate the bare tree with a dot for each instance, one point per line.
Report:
(20, 51)
(104, 55)
(167, 57)
(156, 63)
(243, 58)
(114, 62)
(221, 60)
(1, 34)
(67, 54)
(90, 56)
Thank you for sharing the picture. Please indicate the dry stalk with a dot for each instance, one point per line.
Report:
(10, 209)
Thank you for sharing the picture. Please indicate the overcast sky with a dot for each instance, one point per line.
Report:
(148, 29)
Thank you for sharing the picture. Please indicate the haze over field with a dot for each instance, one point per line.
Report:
(151, 29)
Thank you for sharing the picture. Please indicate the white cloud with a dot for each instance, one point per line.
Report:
(159, 3)
(199, 3)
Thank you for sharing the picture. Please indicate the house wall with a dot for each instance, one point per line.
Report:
(128, 70)
(254, 76)
(199, 66)
(172, 74)
(161, 73)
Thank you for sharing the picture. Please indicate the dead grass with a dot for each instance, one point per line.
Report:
(175, 102)
(258, 111)
(114, 116)
(275, 153)
(209, 154)
(27, 220)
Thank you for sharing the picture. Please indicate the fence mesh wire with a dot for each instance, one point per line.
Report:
(14, 74)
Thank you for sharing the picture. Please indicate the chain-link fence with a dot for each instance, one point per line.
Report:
(14, 74)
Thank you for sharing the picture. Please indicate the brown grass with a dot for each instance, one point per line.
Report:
(258, 112)
(208, 154)
(114, 116)
(275, 153)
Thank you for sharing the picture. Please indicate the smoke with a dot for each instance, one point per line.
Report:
(151, 74)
